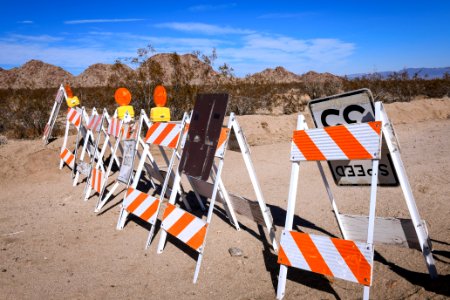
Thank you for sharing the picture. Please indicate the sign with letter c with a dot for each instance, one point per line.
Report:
(347, 108)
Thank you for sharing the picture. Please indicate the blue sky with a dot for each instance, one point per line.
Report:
(341, 37)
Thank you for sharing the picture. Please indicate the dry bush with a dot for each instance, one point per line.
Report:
(26, 111)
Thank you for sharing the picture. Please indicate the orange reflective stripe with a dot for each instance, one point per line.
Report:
(63, 153)
(347, 142)
(354, 259)
(173, 143)
(136, 202)
(94, 178)
(311, 253)
(223, 137)
(196, 241)
(168, 210)
(181, 224)
(151, 130)
(282, 258)
(69, 159)
(129, 191)
(306, 146)
(163, 134)
(376, 126)
(99, 181)
(149, 212)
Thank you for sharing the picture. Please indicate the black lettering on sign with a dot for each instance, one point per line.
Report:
(345, 114)
(360, 170)
(340, 171)
(351, 172)
(383, 170)
(326, 113)
(352, 108)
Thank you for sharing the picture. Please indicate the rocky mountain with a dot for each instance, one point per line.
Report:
(423, 73)
(277, 75)
(34, 74)
(172, 68)
(168, 69)
(312, 76)
(103, 75)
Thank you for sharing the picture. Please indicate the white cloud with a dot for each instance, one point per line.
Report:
(203, 28)
(25, 22)
(34, 38)
(247, 53)
(297, 55)
(66, 57)
(88, 21)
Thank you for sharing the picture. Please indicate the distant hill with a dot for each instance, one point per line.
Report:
(277, 75)
(102, 75)
(171, 68)
(34, 74)
(424, 73)
(168, 69)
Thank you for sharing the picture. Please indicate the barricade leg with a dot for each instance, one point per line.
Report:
(290, 211)
(66, 133)
(113, 156)
(228, 206)
(173, 196)
(122, 218)
(103, 201)
(422, 235)
(83, 153)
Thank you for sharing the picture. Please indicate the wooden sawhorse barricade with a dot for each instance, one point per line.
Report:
(203, 138)
(163, 135)
(54, 114)
(343, 258)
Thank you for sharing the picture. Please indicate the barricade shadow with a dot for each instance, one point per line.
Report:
(443, 253)
(439, 285)
(51, 140)
(312, 280)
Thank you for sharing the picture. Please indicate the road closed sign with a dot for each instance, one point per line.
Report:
(352, 107)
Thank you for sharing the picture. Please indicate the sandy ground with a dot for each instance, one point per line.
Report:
(53, 246)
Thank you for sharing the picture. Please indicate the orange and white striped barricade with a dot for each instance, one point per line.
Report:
(410, 233)
(93, 126)
(234, 205)
(115, 130)
(138, 203)
(96, 178)
(189, 229)
(54, 114)
(75, 117)
(345, 259)
(157, 135)
(130, 140)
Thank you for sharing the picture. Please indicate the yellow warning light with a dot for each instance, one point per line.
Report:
(72, 101)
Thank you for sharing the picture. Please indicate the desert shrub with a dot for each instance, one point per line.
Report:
(3, 140)
(26, 111)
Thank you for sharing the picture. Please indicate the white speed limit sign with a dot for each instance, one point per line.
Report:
(347, 108)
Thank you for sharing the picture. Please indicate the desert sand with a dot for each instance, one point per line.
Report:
(53, 245)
